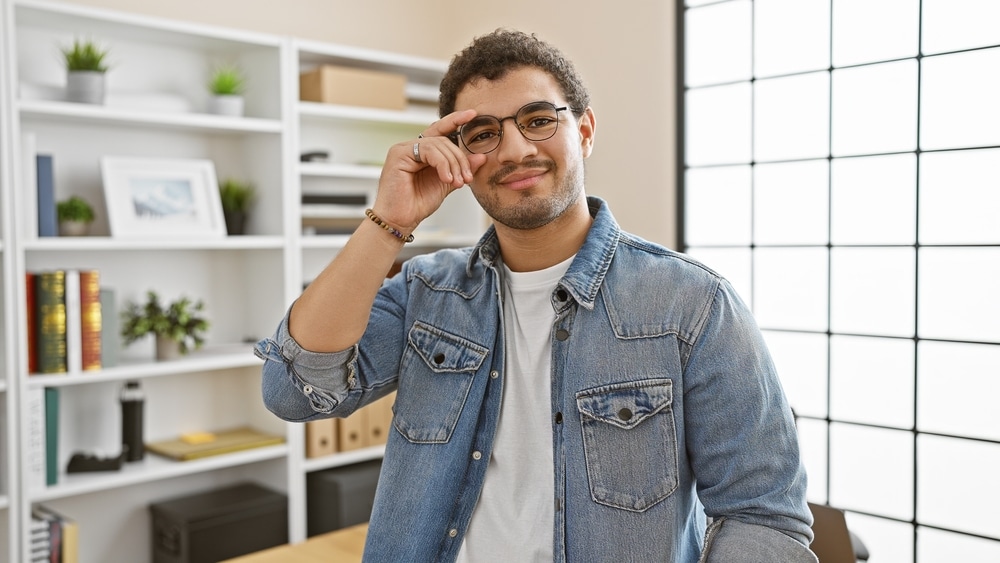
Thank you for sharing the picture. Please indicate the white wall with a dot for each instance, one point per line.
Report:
(626, 57)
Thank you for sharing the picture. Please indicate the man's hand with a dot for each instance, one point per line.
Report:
(414, 182)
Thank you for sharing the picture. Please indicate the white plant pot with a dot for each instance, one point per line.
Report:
(85, 86)
(226, 105)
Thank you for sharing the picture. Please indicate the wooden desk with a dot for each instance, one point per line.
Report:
(339, 546)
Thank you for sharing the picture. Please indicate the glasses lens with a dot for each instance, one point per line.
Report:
(538, 121)
(482, 134)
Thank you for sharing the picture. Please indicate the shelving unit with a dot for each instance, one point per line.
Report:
(154, 108)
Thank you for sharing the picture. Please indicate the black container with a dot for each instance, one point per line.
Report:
(218, 524)
(132, 400)
(341, 496)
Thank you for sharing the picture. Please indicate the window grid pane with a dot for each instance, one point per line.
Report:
(892, 275)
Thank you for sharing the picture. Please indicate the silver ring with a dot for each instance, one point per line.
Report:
(420, 135)
(416, 152)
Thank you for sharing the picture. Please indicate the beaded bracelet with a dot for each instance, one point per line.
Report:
(389, 228)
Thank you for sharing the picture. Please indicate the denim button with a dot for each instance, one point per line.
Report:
(624, 414)
(452, 532)
(562, 334)
(558, 418)
(307, 389)
(477, 455)
(494, 374)
(439, 358)
(561, 295)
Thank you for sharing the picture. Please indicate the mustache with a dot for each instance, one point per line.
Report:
(509, 169)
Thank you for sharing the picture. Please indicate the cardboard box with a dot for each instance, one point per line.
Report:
(341, 496)
(353, 87)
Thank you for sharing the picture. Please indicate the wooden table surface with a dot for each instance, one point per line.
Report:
(339, 546)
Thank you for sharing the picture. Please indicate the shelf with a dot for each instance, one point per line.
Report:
(151, 468)
(420, 118)
(324, 169)
(344, 458)
(210, 358)
(65, 112)
(111, 244)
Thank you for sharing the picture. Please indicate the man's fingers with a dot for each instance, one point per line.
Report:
(449, 123)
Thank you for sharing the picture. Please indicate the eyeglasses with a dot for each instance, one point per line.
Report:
(536, 121)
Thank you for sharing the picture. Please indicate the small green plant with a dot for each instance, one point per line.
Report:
(75, 209)
(237, 196)
(227, 80)
(85, 55)
(180, 321)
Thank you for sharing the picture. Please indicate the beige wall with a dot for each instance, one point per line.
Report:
(626, 57)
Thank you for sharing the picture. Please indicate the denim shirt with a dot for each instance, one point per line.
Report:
(666, 407)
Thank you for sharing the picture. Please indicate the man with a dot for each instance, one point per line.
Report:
(566, 391)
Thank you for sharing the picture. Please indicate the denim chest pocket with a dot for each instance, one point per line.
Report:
(630, 442)
(436, 374)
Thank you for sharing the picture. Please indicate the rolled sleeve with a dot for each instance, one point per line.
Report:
(300, 385)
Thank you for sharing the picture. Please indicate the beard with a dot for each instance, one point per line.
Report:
(530, 210)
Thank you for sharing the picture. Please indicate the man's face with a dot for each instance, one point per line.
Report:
(528, 184)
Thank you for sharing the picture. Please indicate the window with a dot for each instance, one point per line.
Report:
(842, 169)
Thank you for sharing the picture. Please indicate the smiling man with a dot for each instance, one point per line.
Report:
(566, 390)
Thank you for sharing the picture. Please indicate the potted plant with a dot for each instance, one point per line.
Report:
(179, 327)
(237, 197)
(227, 84)
(85, 68)
(75, 215)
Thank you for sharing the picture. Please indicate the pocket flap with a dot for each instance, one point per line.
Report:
(627, 404)
(444, 352)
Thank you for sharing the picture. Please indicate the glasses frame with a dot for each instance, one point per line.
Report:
(459, 139)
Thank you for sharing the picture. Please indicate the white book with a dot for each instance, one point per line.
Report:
(35, 451)
(29, 186)
(74, 323)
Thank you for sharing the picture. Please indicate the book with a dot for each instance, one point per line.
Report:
(29, 185)
(51, 435)
(109, 328)
(48, 223)
(35, 445)
(64, 534)
(321, 437)
(31, 311)
(50, 318)
(74, 353)
(91, 320)
(222, 442)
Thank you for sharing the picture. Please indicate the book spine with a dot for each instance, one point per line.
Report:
(35, 447)
(48, 225)
(31, 309)
(109, 328)
(29, 186)
(51, 435)
(90, 320)
(74, 345)
(50, 296)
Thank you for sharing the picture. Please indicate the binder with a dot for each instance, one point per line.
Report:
(321, 437)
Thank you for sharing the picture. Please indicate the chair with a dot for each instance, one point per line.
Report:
(833, 542)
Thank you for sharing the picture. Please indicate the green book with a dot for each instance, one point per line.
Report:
(50, 321)
(51, 435)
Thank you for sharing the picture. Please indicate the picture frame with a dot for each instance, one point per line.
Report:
(168, 198)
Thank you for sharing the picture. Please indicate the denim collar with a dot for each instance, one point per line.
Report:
(587, 272)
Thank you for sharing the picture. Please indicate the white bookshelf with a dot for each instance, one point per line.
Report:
(155, 108)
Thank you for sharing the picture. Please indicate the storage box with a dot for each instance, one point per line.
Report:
(218, 524)
(353, 87)
(341, 496)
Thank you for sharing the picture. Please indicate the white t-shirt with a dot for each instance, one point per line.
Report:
(513, 520)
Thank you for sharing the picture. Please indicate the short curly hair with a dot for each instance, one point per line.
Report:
(493, 55)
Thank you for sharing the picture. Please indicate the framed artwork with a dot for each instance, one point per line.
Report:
(162, 198)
